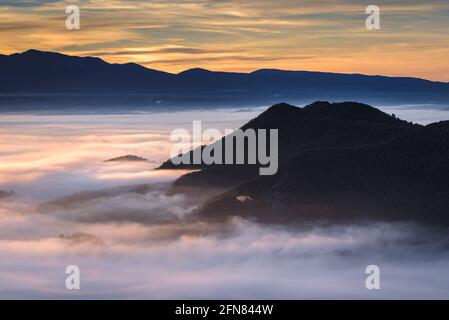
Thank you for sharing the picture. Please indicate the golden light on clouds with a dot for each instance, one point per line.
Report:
(238, 35)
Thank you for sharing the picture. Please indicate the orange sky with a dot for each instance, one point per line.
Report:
(240, 35)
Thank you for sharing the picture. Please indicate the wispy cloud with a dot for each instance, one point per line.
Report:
(175, 35)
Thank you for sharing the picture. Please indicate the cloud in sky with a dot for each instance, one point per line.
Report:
(240, 35)
(26, 3)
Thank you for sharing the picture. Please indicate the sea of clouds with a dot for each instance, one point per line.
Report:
(170, 255)
(131, 238)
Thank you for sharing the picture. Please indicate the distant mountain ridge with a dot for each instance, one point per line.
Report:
(41, 73)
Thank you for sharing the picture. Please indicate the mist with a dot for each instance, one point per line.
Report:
(133, 239)
(172, 257)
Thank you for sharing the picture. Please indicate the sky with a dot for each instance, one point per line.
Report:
(240, 35)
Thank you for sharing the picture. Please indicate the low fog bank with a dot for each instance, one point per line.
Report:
(422, 114)
(142, 241)
(145, 245)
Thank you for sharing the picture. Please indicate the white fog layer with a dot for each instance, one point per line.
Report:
(131, 239)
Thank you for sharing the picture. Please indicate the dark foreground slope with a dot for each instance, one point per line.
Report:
(349, 173)
(403, 179)
(316, 126)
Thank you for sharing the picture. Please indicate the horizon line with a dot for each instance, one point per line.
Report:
(220, 71)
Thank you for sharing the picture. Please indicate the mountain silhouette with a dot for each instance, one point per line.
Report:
(341, 162)
(127, 158)
(318, 125)
(45, 72)
(77, 80)
(6, 194)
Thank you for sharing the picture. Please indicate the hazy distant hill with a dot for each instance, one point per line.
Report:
(6, 194)
(36, 77)
(341, 162)
(127, 158)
